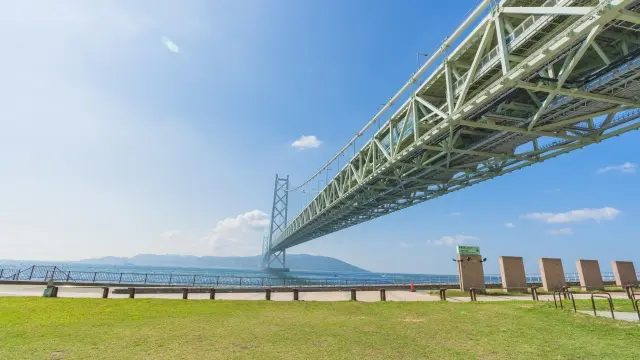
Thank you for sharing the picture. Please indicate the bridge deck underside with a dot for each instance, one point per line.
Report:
(520, 89)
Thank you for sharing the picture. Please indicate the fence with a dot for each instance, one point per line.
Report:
(45, 273)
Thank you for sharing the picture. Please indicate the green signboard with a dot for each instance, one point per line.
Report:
(48, 292)
(468, 250)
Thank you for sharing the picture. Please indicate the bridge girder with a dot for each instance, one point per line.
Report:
(536, 86)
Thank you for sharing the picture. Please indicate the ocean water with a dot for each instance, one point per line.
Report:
(207, 276)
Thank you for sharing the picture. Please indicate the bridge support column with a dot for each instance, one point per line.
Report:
(275, 260)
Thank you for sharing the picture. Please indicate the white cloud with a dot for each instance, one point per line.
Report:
(240, 235)
(509, 225)
(560, 232)
(170, 45)
(453, 240)
(306, 142)
(626, 168)
(606, 213)
(170, 235)
(405, 245)
(455, 213)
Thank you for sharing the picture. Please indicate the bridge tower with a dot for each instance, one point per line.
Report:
(275, 260)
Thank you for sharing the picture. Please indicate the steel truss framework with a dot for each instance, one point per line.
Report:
(533, 80)
(276, 258)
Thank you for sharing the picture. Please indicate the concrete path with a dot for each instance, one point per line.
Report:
(365, 296)
(626, 316)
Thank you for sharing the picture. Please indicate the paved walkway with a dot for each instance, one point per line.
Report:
(626, 316)
(366, 296)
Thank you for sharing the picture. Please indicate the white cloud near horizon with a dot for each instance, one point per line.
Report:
(452, 240)
(240, 235)
(626, 168)
(306, 142)
(170, 234)
(509, 225)
(560, 232)
(602, 214)
(455, 213)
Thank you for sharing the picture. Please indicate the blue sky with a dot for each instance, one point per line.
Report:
(113, 143)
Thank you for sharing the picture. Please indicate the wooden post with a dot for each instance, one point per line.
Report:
(267, 294)
(105, 292)
(132, 293)
(295, 295)
(212, 293)
(383, 295)
(353, 295)
(185, 293)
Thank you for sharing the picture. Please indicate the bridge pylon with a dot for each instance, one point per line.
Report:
(275, 260)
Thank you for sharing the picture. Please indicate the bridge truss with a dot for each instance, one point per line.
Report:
(533, 80)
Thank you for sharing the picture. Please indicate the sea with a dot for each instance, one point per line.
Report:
(298, 276)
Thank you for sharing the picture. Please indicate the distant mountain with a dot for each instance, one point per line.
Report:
(294, 262)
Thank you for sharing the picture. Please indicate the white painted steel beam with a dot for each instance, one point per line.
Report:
(548, 10)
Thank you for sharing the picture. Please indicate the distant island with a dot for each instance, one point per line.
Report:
(294, 262)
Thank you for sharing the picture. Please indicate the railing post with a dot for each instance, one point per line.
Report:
(217, 280)
(267, 294)
(68, 275)
(212, 294)
(120, 280)
(383, 295)
(105, 292)
(629, 290)
(17, 276)
(170, 276)
(194, 281)
(95, 274)
(2, 271)
(295, 295)
(145, 278)
(31, 273)
(185, 293)
(132, 293)
(353, 295)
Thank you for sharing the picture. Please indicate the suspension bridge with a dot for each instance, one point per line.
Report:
(517, 83)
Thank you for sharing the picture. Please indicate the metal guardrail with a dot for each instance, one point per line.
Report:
(565, 294)
(604, 296)
(45, 273)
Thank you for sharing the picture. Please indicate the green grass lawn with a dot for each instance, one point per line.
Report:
(40, 328)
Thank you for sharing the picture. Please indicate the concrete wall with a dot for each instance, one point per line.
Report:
(552, 274)
(512, 273)
(471, 272)
(625, 273)
(590, 275)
